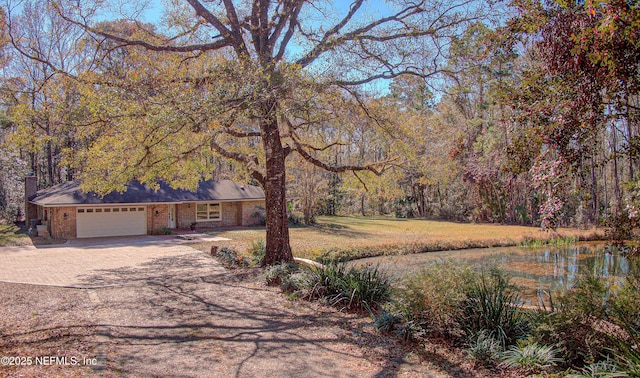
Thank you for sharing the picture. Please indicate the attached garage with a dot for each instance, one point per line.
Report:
(111, 221)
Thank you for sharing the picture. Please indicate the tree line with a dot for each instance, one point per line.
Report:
(521, 113)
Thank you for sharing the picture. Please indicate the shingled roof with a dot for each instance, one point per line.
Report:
(69, 193)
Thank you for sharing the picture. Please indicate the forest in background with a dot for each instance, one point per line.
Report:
(533, 119)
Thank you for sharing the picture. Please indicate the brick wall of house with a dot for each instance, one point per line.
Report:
(157, 217)
(185, 215)
(253, 213)
(62, 222)
(232, 215)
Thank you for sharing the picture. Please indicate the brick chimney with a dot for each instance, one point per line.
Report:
(30, 190)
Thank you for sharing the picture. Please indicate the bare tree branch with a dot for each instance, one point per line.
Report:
(250, 161)
(377, 168)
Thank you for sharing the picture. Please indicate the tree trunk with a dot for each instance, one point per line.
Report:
(594, 192)
(616, 179)
(277, 248)
(422, 202)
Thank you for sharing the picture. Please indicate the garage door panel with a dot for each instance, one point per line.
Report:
(111, 221)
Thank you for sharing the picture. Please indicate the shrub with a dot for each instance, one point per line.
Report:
(341, 286)
(162, 231)
(578, 322)
(349, 287)
(295, 218)
(259, 216)
(624, 311)
(229, 257)
(531, 358)
(624, 304)
(433, 297)
(492, 304)
(276, 274)
(620, 228)
(601, 369)
(257, 251)
(484, 348)
(387, 322)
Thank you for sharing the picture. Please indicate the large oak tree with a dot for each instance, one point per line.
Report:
(249, 80)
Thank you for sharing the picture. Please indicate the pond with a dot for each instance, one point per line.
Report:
(535, 270)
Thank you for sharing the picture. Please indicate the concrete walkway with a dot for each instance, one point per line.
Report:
(71, 263)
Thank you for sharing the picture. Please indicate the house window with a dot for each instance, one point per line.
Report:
(208, 211)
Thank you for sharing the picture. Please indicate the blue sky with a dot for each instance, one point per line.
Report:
(373, 8)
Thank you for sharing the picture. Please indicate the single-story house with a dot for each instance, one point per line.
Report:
(68, 212)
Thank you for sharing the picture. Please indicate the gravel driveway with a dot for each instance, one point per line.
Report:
(174, 311)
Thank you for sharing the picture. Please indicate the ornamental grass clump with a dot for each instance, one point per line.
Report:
(484, 348)
(276, 274)
(531, 358)
(351, 288)
(492, 304)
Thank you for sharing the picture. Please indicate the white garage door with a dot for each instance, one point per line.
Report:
(111, 221)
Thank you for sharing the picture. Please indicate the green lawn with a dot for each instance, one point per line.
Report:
(11, 234)
(386, 235)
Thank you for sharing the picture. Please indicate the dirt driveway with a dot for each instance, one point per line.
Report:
(174, 311)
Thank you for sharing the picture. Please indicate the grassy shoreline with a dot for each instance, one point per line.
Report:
(348, 238)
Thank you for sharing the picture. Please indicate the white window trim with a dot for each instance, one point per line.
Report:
(209, 219)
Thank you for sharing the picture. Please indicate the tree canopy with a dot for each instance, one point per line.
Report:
(471, 111)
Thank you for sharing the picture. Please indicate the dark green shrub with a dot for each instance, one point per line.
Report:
(387, 322)
(620, 228)
(341, 286)
(492, 304)
(352, 288)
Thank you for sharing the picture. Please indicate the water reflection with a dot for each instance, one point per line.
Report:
(535, 270)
